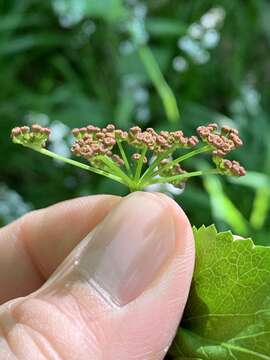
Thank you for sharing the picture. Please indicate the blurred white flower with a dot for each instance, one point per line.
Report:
(137, 29)
(213, 18)
(248, 101)
(200, 37)
(194, 49)
(69, 12)
(130, 81)
(180, 63)
(82, 37)
(12, 205)
(88, 27)
(196, 31)
(202, 57)
(251, 99)
(166, 188)
(57, 139)
(142, 114)
(190, 46)
(141, 95)
(140, 11)
(126, 47)
(210, 39)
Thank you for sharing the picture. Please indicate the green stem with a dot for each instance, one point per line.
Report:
(140, 165)
(182, 176)
(124, 157)
(165, 92)
(181, 158)
(76, 163)
(148, 173)
(114, 168)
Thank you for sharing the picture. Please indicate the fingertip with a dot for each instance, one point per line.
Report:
(182, 224)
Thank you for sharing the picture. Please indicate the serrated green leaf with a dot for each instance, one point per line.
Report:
(228, 311)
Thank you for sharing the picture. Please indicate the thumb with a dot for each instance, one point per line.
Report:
(121, 293)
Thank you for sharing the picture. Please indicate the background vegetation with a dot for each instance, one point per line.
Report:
(67, 63)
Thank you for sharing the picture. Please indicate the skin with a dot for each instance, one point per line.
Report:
(49, 311)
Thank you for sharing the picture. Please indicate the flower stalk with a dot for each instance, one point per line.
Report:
(104, 149)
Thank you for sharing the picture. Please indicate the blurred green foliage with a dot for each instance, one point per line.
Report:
(75, 62)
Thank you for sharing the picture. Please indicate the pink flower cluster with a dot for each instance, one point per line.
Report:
(233, 168)
(91, 142)
(159, 142)
(36, 135)
(222, 140)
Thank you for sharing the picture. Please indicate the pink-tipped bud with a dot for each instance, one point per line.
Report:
(151, 131)
(226, 129)
(110, 127)
(91, 129)
(25, 129)
(76, 132)
(95, 148)
(165, 134)
(100, 135)
(36, 128)
(178, 169)
(219, 153)
(117, 159)
(136, 156)
(212, 126)
(47, 131)
(233, 168)
(16, 132)
(234, 131)
(193, 141)
(109, 141)
(165, 161)
(235, 138)
(161, 140)
(135, 130)
(203, 131)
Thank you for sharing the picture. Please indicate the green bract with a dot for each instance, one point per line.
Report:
(228, 310)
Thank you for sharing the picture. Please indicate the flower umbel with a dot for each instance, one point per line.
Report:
(34, 136)
(123, 156)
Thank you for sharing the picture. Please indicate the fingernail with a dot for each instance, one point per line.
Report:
(130, 247)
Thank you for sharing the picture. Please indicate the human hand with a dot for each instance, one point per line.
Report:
(118, 294)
